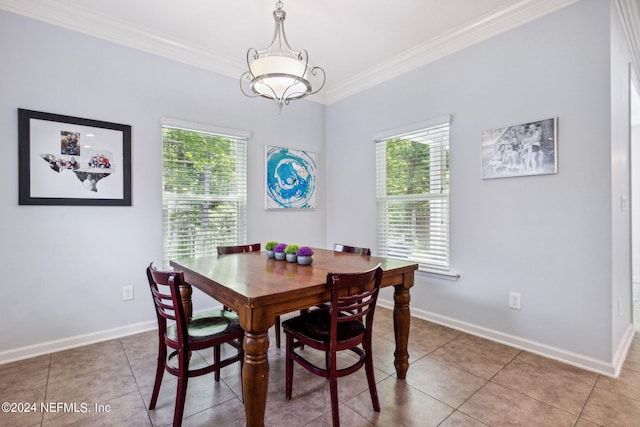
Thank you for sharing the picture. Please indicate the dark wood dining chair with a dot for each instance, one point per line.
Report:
(351, 249)
(254, 247)
(338, 247)
(185, 334)
(346, 325)
(238, 249)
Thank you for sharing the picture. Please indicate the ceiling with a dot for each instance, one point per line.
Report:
(359, 43)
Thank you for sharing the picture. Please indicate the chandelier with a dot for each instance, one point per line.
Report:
(278, 72)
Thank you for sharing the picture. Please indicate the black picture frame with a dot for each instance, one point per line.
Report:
(64, 160)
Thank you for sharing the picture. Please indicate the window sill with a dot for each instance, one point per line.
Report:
(438, 274)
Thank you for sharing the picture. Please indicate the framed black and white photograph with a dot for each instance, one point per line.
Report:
(520, 150)
(67, 160)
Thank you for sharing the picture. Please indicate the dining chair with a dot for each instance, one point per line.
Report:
(337, 247)
(185, 334)
(254, 247)
(238, 249)
(346, 325)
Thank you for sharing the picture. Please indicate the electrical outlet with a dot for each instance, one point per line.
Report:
(514, 300)
(127, 293)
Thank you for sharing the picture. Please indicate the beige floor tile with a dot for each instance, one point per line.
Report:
(91, 387)
(548, 387)
(141, 346)
(610, 409)
(400, 405)
(144, 370)
(202, 393)
(430, 336)
(444, 382)
(383, 323)
(471, 358)
(348, 418)
(632, 362)
(70, 363)
(227, 414)
(20, 414)
(446, 367)
(585, 423)
(23, 375)
(124, 410)
(37, 362)
(558, 368)
(348, 386)
(383, 354)
(496, 405)
(458, 419)
(627, 384)
(504, 352)
(309, 400)
(356, 383)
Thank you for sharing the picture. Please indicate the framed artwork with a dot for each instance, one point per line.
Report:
(67, 160)
(290, 181)
(520, 150)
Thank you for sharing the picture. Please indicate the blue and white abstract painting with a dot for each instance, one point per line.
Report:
(291, 178)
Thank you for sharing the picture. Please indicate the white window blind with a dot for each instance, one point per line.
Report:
(204, 191)
(412, 172)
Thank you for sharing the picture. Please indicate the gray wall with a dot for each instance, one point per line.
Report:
(558, 239)
(551, 238)
(65, 266)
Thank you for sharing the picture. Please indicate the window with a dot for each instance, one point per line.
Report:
(412, 173)
(204, 189)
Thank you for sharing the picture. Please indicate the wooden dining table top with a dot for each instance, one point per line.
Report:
(251, 279)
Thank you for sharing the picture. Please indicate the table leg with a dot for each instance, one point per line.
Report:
(255, 377)
(401, 321)
(185, 293)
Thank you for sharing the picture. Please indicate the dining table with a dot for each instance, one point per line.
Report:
(259, 288)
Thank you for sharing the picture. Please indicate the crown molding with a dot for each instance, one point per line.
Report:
(104, 27)
(450, 42)
(84, 21)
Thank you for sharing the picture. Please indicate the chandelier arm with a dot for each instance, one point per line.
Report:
(286, 41)
(295, 95)
(251, 53)
(314, 72)
(247, 76)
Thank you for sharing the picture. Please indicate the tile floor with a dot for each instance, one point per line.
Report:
(454, 379)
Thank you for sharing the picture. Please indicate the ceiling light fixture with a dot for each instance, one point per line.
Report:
(278, 72)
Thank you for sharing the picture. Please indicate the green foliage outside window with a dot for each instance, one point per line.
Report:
(204, 192)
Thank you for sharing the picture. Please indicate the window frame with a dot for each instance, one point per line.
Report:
(239, 197)
(385, 231)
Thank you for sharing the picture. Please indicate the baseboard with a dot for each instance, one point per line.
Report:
(581, 361)
(34, 350)
(75, 341)
(621, 353)
(574, 359)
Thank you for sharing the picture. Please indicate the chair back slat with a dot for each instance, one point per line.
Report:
(238, 249)
(165, 310)
(354, 297)
(338, 247)
(169, 306)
